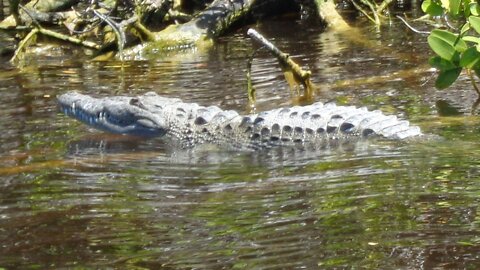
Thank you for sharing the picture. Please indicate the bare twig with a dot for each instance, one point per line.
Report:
(472, 80)
(23, 44)
(250, 89)
(412, 28)
(285, 60)
(359, 8)
(383, 6)
(117, 29)
(374, 11)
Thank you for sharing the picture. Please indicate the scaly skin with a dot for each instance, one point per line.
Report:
(189, 124)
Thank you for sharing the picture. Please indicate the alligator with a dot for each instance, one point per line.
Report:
(189, 124)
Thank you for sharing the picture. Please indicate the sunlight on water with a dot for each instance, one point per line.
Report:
(75, 197)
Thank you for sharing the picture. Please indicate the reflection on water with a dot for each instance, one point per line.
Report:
(74, 197)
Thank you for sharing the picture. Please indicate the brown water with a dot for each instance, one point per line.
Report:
(72, 197)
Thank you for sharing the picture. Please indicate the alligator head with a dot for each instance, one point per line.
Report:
(121, 115)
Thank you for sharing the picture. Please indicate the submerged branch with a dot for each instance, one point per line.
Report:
(383, 6)
(299, 75)
(412, 28)
(23, 45)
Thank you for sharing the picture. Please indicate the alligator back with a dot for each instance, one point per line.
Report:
(189, 124)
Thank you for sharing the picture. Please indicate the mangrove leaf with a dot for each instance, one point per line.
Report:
(447, 78)
(475, 23)
(432, 8)
(470, 58)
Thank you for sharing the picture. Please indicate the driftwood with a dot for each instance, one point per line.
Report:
(87, 23)
(200, 31)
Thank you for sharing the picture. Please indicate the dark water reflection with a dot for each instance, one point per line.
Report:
(72, 197)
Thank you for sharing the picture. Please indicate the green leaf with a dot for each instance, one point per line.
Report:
(447, 78)
(471, 39)
(470, 58)
(449, 38)
(441, 47)
(465, 28)
(455, 7)
(475, 23)
(474, 9)
(432, 8)
(441, 64)
(445, 3)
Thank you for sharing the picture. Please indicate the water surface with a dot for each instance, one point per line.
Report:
(74, 197)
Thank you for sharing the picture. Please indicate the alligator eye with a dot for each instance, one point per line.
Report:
(136, 102)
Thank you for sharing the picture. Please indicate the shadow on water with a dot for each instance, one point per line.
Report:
(74, 197)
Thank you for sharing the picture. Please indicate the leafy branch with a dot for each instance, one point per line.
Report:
(457, 48)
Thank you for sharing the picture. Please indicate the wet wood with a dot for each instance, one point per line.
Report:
(288, 65)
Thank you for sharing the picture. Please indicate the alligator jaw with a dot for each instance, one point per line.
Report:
(119, 115)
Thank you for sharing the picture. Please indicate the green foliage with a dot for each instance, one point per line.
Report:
(456, 49)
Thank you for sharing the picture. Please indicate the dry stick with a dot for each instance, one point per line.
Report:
(374, 13)
(284, 59)
(23, 43)
(475, 86)
(250, 89)
(70, 39)
(384, 5)
(359, 8)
